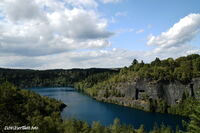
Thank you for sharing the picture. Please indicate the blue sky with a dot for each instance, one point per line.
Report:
(153, 16)
(48, 34)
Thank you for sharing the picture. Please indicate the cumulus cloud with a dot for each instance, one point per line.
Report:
(79, 23)
(194, 51)
(47, 34)
(17, 10)
(175, 41)
(85, 3)
(74, 59)
(180, 33)
(51, 31)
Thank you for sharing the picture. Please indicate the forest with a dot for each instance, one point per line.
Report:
(182, 69)
(23, 107)
(24, 78)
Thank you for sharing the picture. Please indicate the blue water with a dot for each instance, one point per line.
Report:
(82, 107)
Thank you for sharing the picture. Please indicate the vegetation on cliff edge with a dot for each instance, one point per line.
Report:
(182, 69)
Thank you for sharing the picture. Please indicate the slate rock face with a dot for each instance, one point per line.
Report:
(171, 92)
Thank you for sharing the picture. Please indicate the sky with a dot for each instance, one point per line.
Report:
(64, 34)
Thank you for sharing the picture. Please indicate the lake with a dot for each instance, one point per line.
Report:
(83, 107)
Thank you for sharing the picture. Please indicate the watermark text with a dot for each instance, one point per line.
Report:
(21, 128)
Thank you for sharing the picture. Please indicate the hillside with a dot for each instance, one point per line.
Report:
(24, 111)
(24, 78)
(26, 108)
(159, 86)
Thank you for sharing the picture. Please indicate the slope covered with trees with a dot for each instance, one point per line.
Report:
(48, 78)
(22, 107)
(182, 69)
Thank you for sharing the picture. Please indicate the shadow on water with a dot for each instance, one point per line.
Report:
(82, 107)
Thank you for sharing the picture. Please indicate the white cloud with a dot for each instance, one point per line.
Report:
(149, 26)
(124, 30)
(71, 33)
(139, 31)
(175, 41)
(117, 14)
(80, 24)
(121, 14)
(113, 20)
(17, 10)
(111, 1)
(84, 59)
(194, 51)
(55, 31)
(85, 3)
(180, 33)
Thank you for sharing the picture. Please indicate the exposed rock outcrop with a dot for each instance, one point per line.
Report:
(172, 92)
(136, 92)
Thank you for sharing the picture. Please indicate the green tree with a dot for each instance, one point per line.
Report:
(156, 62)
(141, 129)
(116, 126)
(194, 125)
(134, 62)
(97, 128)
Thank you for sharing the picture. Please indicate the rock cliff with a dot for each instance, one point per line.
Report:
(172, 92)
(138, 92)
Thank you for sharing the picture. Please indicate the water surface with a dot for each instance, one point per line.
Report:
(82, 107)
